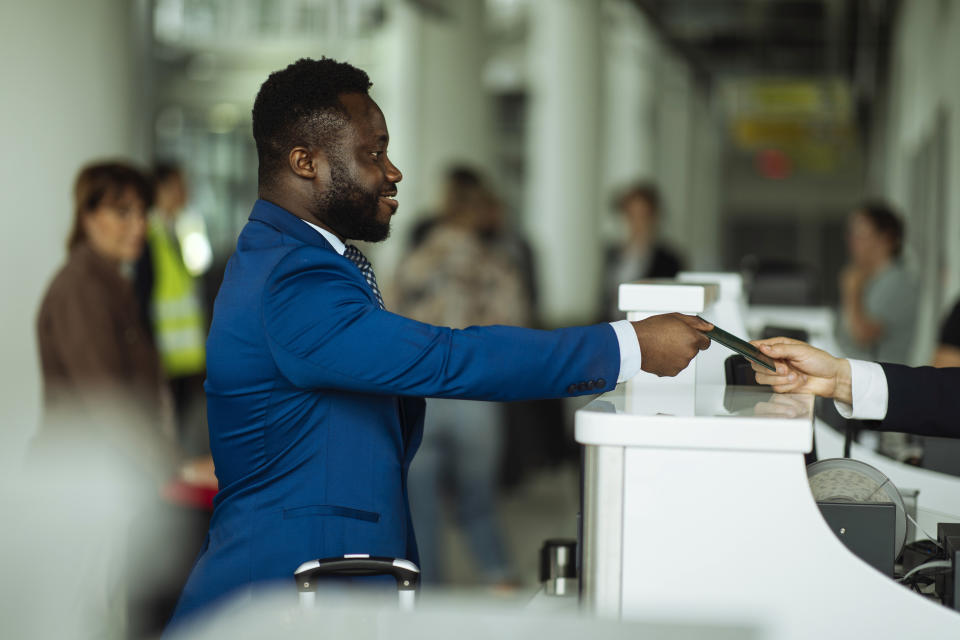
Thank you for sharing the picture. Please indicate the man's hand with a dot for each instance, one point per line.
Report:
(670, 341)
(804, 369)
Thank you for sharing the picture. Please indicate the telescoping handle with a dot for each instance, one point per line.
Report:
(406, 573)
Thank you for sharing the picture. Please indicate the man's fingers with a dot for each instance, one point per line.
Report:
(703, 342)
(695, 322)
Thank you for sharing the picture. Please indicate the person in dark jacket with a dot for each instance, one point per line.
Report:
(641, 255)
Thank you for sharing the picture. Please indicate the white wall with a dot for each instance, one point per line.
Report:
(69, 96)
(924, 84)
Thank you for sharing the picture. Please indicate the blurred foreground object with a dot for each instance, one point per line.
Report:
(465, 616)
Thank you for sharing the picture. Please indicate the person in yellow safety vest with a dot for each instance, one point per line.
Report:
(178, 252)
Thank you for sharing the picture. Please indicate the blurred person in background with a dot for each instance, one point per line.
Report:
(878, 296)
(878, 300)
(169, 292)
(107, 408)
(533, 443)
(641, 255)
(462, 274)
(106, 436)
(460, 178)
(93, 340)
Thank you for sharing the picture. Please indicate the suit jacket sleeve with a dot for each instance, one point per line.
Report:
(922, 400)
(324, 331)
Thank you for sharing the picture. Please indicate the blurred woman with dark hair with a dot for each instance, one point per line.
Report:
(108, 414)
(878, 296)
(878, 302)
(99, 364)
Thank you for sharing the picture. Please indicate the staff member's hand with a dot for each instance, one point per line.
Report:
(804, 369)
(670, 341)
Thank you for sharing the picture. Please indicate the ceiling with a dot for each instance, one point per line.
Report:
(779, 37)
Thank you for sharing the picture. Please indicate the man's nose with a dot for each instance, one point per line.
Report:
(393, 174)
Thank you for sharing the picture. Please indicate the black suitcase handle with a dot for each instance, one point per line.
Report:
(406, 573)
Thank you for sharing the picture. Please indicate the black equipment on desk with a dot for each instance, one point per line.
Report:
(948, 584)
(867, 529)
(862, 507)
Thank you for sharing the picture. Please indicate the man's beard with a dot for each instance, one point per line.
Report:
(349, 209)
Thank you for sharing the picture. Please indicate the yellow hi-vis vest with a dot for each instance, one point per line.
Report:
(178, 321)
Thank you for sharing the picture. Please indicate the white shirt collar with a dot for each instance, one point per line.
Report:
(334, 241)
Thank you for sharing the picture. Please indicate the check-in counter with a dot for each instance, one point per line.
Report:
(938, 497)
(696, 503)
(692, 509)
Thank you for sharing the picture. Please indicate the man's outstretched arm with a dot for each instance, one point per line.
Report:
(324, 332)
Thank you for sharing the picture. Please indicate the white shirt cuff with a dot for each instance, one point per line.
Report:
(630, 356)
(870, 394)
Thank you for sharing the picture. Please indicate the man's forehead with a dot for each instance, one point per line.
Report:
(364, 113)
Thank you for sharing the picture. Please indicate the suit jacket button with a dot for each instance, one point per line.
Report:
(601, 383)
(572, 388)
(582, 386)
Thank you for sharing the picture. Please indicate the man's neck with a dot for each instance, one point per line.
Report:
(296, 209)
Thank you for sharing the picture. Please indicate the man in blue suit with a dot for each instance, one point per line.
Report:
(314, 390)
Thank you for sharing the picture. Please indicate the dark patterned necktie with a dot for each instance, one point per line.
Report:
(353, 255)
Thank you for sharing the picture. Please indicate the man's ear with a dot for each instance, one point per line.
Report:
(308, 163)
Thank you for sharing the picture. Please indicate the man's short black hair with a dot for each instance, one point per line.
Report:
(300, 105)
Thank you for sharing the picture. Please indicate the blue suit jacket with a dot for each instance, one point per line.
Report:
(315, 407)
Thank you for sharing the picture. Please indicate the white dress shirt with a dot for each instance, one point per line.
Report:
(630, 357)
(334, 241)
(869, 391)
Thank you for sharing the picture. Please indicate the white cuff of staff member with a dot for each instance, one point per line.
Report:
(869, 391)
(630, 356)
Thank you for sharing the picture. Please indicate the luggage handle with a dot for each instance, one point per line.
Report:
(406, 573)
